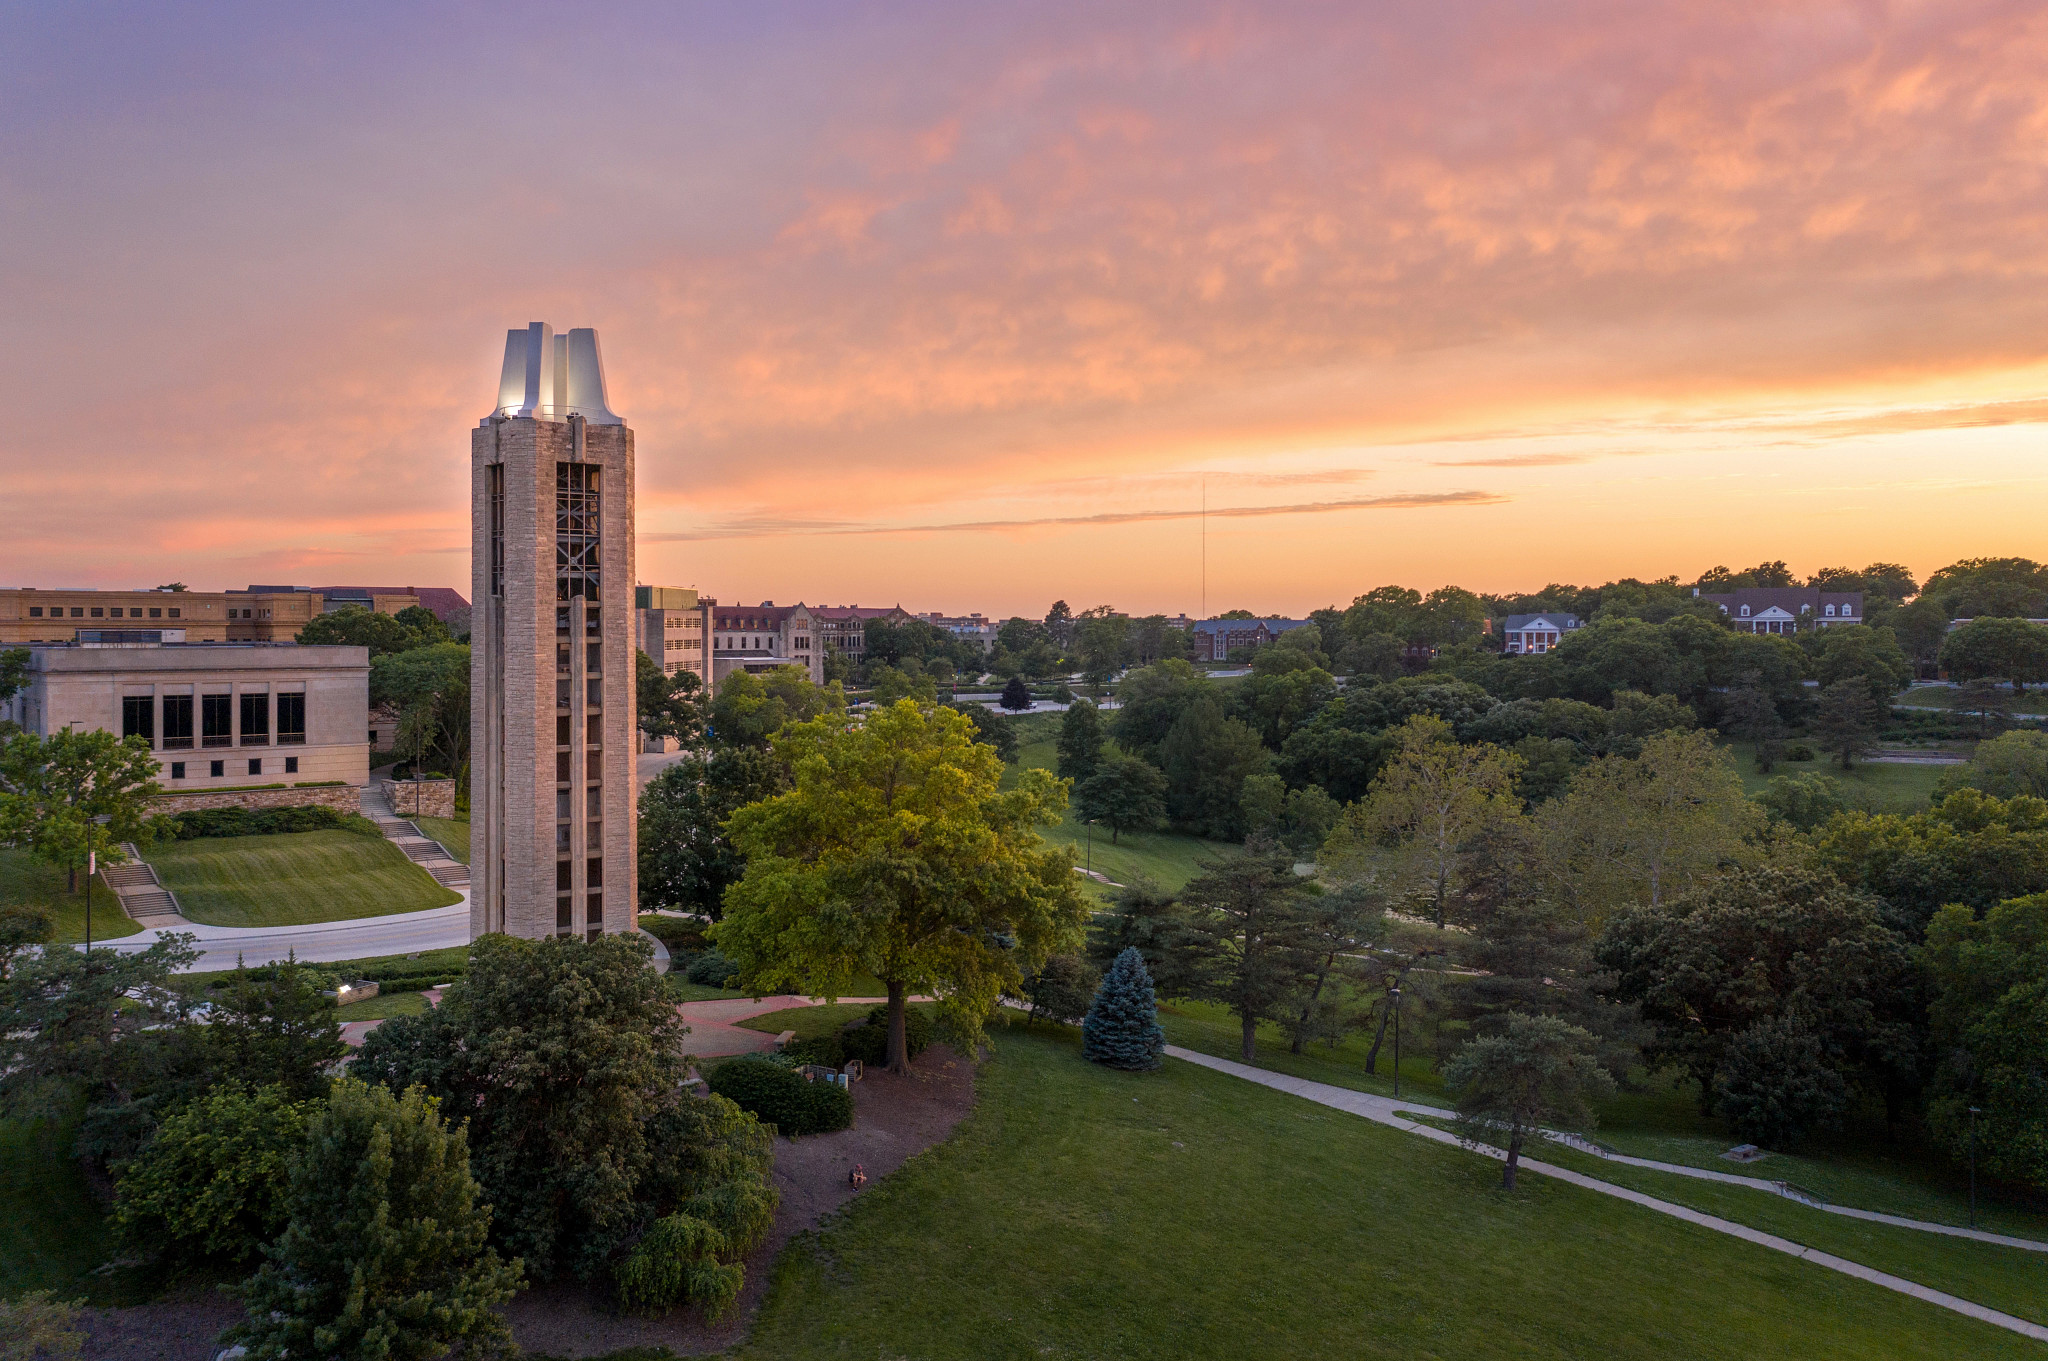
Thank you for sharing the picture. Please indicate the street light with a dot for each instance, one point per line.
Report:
(1975, 1111)
(1090, 872)
(91, 868)
(1396, 993)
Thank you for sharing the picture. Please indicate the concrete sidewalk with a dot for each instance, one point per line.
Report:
(1387, 1111)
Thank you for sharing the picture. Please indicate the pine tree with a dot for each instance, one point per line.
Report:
(1016, 695)
(384, 1255)
(1121, 1029)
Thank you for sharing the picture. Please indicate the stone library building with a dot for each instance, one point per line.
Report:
(554, 835)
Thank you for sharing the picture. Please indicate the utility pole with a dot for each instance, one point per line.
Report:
(1975, 1111)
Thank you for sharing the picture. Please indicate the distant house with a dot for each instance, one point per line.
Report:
(1213, 640)
(1536, 632)
(1786, 609)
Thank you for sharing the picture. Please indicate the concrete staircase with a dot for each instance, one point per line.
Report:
(143, 896)
(422, 850)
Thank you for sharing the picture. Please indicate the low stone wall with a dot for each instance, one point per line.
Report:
(340, 797)
(436, 798)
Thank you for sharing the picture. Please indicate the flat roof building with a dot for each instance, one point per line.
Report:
(217, 715)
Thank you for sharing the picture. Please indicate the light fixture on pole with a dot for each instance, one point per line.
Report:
(91, 868)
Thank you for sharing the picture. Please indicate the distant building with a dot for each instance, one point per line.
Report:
(1786, 609)
(674, 625)
(447, 603)
(1536, 632)
(28, 615)
(972, 628)
(217, 715)
(843, 628)
(1213, 640)
(765, 636)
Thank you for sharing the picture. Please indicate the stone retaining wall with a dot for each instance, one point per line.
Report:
(340, 797)
(436, 798)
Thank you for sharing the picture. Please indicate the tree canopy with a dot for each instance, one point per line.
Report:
(897, 854)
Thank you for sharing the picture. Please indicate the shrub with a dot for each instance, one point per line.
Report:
(779, 1096)
(829, 1050)
(268, 821)
(213, 1180)
(1121, 1029)
(711, 970)
(1799, 752)
(1062, 988)
(869, 1040)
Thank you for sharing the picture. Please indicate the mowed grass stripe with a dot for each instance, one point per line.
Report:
(292, 878)
(1062, 1221)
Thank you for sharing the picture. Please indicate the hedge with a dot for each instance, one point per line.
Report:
(779, 1096)
(207, 822)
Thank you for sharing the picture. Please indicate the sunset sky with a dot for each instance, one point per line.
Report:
(971, 306)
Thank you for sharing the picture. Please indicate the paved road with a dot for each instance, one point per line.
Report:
(402, 933)
(1387, 1111)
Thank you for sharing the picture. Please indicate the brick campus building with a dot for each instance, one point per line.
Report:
(552, 722)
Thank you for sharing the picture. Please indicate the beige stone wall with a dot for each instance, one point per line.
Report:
(421, 798)
(340, 798)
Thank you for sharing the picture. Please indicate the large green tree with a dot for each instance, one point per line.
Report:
(668, 704)
(1846, 721)
(76, 792)
(1858, 651)
(1426, 811)
(1081, 739)
(749, 708)
(1535, 1072)
(1248, 918)
(1970, 848)
(385, 1256)
(1151, 700)
(1206, 759)
(686, 858)
(898, 854)
(356, 626)
(1772, 964)
(2003, 649)
(213, 1180)
(430, 686)
(1124, 794)
(567, 1058)
(1990, 1035)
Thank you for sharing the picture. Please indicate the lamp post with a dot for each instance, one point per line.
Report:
(1395, 992)
(1090, 873)
(91, 868)
(1975, 1111)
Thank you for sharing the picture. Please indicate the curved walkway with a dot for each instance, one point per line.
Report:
(402, 933)
(1387, 1111)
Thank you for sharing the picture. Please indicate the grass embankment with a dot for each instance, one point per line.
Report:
(28, 882)
(1877, 787)
(450, 832)
(294, 877)
(382, 1007)
(1186, 1213)
(1165, 857)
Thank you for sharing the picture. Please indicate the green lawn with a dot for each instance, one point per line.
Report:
(1168, 859)
(382, 1007)
(294, 877)
(2032, 703)
(1081, 1212)
(1886, 787)
(450, 832)
(28, 882)
(1660, 1120)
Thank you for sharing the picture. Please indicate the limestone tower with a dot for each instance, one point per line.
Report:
(554, 841)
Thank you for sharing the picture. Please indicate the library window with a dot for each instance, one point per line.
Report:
(216, 720)
(138, 718)
(255, 720)
(156, 612)
(177, 770)
(217, 769)
(291, 765)
(291, 720)
(178, 721)
(256, 765)
(35, 611)
(175, 612)
(77, 613)
(98, 613)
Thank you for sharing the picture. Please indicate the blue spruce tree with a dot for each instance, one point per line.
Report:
(1122, 1026)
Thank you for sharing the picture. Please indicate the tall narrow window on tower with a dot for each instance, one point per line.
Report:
(578, 541)
(495, 480)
